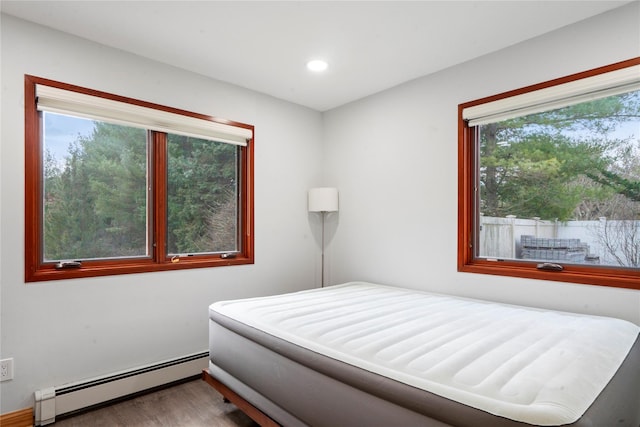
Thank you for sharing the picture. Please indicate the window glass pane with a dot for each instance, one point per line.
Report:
(202, 196)
(563, 185)
(94, 198)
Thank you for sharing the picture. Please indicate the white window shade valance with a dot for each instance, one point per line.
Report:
(56, 100)
(587, 89)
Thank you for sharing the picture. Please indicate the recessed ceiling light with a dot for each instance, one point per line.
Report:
(317, 65)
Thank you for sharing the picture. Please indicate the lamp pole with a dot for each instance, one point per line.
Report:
(323, 200)
(324, 213)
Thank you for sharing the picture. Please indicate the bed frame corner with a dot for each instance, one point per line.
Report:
(229, 395)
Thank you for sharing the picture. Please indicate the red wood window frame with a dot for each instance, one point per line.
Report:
(467, 218)
(37, 270)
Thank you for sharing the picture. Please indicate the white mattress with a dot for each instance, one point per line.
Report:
(535, 366)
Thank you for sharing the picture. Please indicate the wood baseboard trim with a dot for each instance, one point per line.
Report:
(252, 412)
(20, 418)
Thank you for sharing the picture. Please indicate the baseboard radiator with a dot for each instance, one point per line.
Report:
(69, 398)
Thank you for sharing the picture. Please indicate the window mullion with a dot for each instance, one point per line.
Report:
(159, 181)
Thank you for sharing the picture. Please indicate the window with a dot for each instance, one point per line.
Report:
(549, 180)
(115, 185)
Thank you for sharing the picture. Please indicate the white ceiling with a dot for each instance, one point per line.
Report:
(264, 45)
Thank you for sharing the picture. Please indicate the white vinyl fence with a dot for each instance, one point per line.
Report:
(573, 241)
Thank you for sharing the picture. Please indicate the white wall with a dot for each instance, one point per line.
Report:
(394, 158)
(64, 331)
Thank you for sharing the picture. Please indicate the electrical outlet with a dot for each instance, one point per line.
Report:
(6, 369)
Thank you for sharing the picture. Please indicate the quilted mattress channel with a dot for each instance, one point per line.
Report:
(535, 366)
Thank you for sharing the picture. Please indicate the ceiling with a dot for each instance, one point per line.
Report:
(264, 45)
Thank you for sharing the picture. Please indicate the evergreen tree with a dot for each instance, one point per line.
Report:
(202, 185)
(95, 206)
(551, 164)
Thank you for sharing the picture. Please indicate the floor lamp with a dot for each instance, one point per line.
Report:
(323, 200)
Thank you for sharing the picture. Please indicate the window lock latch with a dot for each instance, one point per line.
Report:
(549, 266)
(68, 264)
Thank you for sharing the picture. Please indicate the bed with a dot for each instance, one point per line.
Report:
(362, 354)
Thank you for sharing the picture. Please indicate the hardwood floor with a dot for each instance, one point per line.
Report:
(191, 404)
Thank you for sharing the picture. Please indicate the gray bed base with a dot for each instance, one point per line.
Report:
(297, 387)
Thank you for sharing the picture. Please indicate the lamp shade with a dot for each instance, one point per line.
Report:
(323, 199)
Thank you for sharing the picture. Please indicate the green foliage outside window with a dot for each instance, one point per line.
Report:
(95, 202)
(580, 162)
(96, 195)
(553, 164)
(202, 196)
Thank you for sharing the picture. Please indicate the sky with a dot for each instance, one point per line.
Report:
(60, 131)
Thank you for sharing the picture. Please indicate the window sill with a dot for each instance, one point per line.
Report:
(48, 272)
(620, 278)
